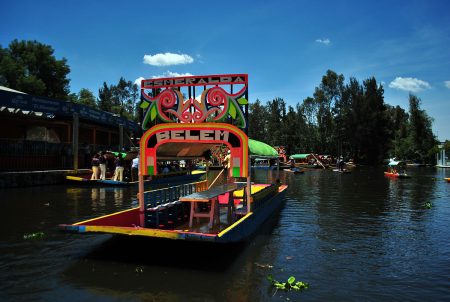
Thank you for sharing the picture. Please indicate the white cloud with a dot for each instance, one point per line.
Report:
(447, 84)
(138, 81)
(170, 74)
(167, 59)
(409, 84)
(323, 41)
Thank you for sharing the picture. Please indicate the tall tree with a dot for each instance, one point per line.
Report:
(31, 67)
(276, 110)
(257, 128)
(421, 133)
(326, 95)
(105, 98)
(86, 97)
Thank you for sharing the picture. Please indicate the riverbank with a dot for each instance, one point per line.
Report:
(36, 178)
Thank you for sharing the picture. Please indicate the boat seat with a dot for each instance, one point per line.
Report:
(155, 217)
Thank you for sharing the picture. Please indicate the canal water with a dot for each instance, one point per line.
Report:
(352, 237)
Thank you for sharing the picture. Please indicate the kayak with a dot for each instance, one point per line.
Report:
(396, 175)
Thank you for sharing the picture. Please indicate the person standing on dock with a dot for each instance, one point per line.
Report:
(102, 160)
(118, 174)
(135, 169)
(95, 163)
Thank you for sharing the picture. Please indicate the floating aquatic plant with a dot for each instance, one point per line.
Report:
(428, 205)
(139, 269)
(290, 284)
(33, 236)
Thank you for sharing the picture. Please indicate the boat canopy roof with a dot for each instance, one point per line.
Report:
(260, 150)
(396, 163)
(300, 156)
(180, 150)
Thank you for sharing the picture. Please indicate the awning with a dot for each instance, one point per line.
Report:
(396, 163)
(260, 149)
(300, 156)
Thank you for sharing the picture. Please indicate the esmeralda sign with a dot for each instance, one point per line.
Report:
(195, 81)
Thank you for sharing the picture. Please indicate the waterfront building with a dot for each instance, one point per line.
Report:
(38, 133)
(442, 159)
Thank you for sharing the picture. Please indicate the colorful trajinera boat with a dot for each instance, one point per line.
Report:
(188, 129)
(396, 169)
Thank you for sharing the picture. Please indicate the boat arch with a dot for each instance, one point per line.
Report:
(192, 140)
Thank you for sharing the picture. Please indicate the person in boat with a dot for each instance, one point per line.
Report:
(227, 161)
(341, 164)
(226, 166)
(118, 173)
(135, 168)
(165, 169)
(292, 165)
(95, 162)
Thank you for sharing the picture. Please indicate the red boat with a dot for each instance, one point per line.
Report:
(396, 169)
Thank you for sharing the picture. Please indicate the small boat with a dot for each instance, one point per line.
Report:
(397, 175)
(294, 171)
(344, 171)
(396, 169)
(172, 177)
(447, 179)
(198, 211)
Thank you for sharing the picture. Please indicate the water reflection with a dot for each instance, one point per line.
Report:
(353, 237)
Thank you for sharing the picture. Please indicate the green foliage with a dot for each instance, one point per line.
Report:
(257, 121)
(121, 99)
(33, 236)
(84, 97)
(31, 67)
(350, 119)
(290, 284)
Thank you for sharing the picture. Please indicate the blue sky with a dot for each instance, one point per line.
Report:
(285, 46)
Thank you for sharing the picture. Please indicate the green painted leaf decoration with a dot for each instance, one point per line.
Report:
(242, 101)
(153, 113)
(144, 104)
(232, 110)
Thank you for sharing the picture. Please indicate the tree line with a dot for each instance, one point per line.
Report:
(349, 119)
(31, 67)
(346, 119)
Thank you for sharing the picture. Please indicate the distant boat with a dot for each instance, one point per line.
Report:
(294, 171)
(345, 171)
(396, 170)
(447, 179)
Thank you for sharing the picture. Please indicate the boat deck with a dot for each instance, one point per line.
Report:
(128, 222)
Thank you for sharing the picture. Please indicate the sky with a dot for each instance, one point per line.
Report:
(284, 46)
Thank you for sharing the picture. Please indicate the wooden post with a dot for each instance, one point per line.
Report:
(141, 199)
(249, 186)
(75, 131)
(120, 138)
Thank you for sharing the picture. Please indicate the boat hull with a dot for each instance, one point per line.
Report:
(396, 175)
(127, 223)
(294, 171)
(75, 180)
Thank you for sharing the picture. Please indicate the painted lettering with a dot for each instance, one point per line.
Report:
(207, 135)
(220, 135)
(177, 134)
(160, 136)
(191, 137)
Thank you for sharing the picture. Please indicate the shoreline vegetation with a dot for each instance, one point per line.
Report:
(349, 119)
